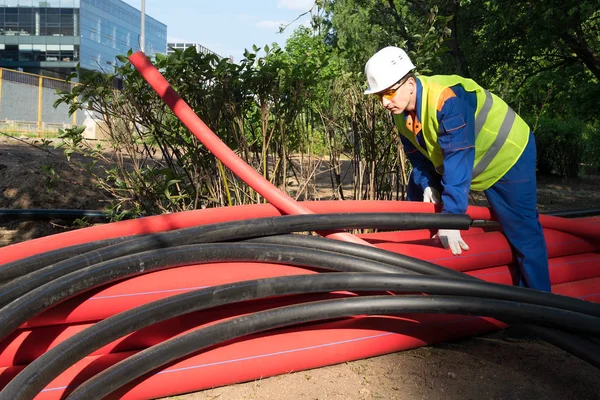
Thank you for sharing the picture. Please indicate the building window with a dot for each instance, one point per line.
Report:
(67, 22)
(53, 22)
(11, 21)
(26, 52)
(11, 53)
(26, 22)
(39, 52)
(52, 52)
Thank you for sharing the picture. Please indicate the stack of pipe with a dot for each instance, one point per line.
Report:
(181, 261)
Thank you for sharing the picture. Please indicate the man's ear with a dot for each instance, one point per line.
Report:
(413, 84)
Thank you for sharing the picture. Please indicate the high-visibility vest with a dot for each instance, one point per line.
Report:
(500, 134)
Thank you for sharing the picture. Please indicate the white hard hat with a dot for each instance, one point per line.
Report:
(386, 67)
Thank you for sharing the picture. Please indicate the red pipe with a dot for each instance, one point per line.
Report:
(189, 118)
(224, 365)
(586, 227)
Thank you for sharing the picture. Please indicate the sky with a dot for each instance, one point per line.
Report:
(227, 27)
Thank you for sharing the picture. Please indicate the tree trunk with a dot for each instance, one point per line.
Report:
(403, 170)
(584, 52)
(454, 44)
(401, 24)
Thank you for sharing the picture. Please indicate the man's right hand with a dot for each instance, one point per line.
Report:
(431, 195)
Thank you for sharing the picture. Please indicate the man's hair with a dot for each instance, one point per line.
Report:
(406, 77)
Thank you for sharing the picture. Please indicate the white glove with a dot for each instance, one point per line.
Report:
(451, 239)
(431, 195)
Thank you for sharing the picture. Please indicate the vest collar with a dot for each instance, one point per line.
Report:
(407, 120)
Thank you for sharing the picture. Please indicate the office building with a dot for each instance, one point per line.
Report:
(50, 37)
(199, 49)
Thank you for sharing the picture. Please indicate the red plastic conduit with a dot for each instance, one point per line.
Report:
(189, 118)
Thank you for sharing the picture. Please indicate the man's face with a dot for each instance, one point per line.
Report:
(398, 97)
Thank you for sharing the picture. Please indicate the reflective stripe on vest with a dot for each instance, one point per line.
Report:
(483, 114)
(505, 128)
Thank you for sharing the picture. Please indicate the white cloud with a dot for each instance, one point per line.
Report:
(270, 24)
(301, 5)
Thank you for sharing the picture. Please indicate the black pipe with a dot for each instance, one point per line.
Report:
(590, 212)
(37, 299)
(366, 252)
(32, 263)
(170, 350)
(51, 364)
(301, 223)
(103, 216)
(584, 347)
(33, 302)
(232, 230)
(49, 214)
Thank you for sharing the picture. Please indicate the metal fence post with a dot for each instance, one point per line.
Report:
(1, 70)
(75, 100)
(39, 120)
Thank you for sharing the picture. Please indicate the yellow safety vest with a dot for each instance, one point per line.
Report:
(500, 134)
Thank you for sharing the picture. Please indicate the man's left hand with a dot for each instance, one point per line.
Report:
(452, 240)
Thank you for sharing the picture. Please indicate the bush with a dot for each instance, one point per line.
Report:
(591, 153)
(560, 145)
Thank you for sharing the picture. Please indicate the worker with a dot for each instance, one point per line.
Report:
(459, 136)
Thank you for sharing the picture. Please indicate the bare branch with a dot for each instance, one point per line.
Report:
(563, 63)
(284, 27)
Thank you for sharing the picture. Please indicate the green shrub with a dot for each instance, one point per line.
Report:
(591, 152)
(560, 145)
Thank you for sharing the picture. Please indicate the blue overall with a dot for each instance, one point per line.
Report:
(512, 199)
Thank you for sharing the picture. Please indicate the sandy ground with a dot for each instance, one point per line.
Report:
(480, 368)
(486, 367)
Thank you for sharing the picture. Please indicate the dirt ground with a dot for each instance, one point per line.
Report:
(486, 367)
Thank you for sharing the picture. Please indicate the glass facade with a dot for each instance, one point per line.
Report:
(33, 31)
(57, 34)
(111, 27)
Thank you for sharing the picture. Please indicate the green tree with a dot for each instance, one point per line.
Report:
(361, 27)
(534, 36)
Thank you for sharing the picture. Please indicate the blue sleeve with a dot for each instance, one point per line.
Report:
(457, 141)
(422, 167)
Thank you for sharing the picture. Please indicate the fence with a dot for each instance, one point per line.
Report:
(27, 104)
